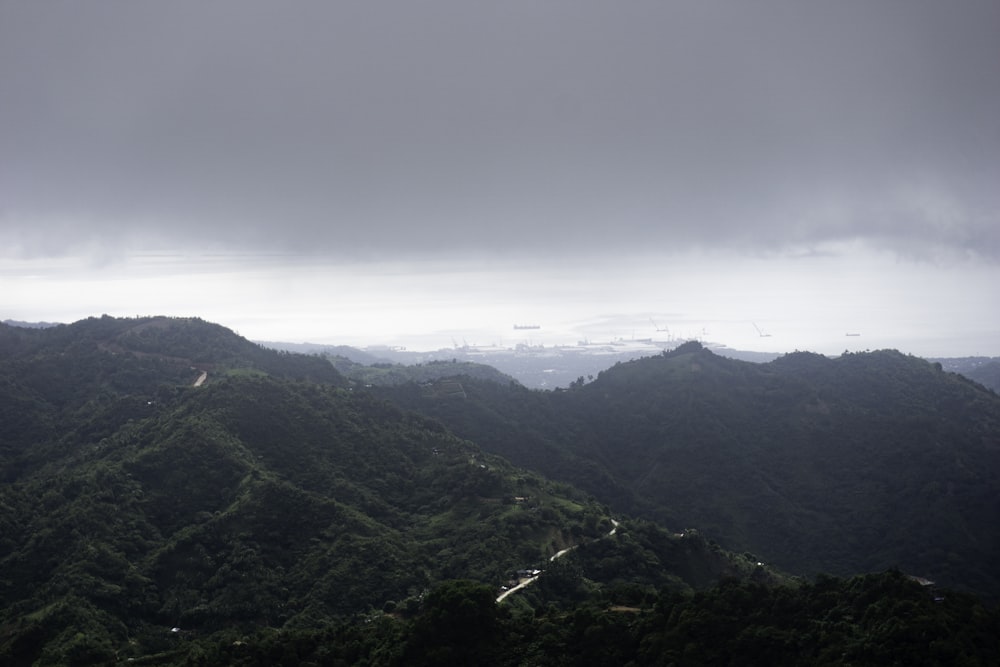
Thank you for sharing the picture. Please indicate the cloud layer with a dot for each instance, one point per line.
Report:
(392, 129)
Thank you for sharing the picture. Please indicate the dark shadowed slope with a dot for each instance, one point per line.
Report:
(840, 465)
(261, 500)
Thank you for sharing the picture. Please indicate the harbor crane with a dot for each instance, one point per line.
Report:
(759, 332)
(664, 329)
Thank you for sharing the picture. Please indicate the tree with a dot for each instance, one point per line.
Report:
(458, 625)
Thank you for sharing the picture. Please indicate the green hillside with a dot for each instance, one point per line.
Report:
(884, 619)
(82, 380)
(270, 497)
(382, 373)
(845, 465)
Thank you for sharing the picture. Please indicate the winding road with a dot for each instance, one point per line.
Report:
(558, 554)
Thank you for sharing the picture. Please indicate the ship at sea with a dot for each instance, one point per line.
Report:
(519, 327)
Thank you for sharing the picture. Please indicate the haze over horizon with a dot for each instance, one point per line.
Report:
(417, 174)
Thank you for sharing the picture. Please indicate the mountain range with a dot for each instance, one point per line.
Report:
(171, 490)
(843, 465)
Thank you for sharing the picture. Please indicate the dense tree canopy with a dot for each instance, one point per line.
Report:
(844, 465)
(278, 514)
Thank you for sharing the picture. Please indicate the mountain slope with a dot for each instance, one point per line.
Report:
(263, 502)
(390, 374)
(839, 465)
(106, 370)
(984, 370)
(261, 499)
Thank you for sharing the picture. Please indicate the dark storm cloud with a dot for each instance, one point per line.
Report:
(369, 128)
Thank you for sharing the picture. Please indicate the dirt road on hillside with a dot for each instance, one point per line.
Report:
(559, 554)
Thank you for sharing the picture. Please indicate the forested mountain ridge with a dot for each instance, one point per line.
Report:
(984, 370)
(262, 499)
(260, 502)
(853, 464)
(102, 371)
(122, 353)
(380, 373)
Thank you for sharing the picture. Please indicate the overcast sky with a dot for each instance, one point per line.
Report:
(374, 171)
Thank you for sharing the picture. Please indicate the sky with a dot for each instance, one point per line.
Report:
(430, 174)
